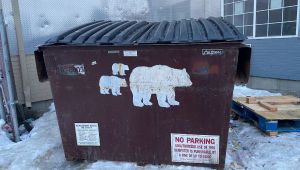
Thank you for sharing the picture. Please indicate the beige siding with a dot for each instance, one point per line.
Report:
(39, 91)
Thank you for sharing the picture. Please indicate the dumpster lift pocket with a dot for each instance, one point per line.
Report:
(40, 66)
(243, 66)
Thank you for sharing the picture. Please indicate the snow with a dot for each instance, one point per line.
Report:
(4, 140)
(248, 148)
(243, 91)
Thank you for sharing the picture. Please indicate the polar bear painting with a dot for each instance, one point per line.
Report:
(119, 68)
(160, 80)
(111, 82)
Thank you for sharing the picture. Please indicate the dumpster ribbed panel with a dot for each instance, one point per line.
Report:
(170, 32)
(198, 31)
(93, 38)
(142, 32)
(159, 32)
(83, 37)
(226, 32)
(106, 39)
(137, 34)
(63, 35)
(72, 36)
(129, 31)
(145, 36)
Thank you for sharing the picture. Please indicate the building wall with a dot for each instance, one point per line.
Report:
(205, 8)
(39, 91)
(275, 58)
(286, 87)
(169, 10)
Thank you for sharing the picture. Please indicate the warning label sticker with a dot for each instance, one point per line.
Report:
(195, 148)
(87, 134)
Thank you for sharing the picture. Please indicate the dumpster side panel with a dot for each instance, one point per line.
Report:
(205, 107)
(140, 95)
(78, 100)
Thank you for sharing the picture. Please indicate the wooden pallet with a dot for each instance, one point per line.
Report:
(271, 114)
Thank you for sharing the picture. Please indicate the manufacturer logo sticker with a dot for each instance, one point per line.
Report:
(71, 69)
(212, 52)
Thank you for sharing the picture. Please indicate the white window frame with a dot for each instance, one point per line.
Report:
(254, 22)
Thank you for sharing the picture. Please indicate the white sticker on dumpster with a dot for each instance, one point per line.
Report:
(130, 53)
(195, 148)
(87, 134)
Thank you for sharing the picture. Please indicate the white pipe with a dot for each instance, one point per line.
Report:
(22, 56)
(2, 112)
(8, 75)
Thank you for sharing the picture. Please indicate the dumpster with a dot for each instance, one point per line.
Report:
(145, 92)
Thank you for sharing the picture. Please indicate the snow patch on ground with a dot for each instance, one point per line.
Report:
(108, 165)
(243, 91)
(247, 148)
(4, 139)
(44, 142)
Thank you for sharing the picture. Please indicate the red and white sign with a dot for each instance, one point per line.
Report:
(195, 148)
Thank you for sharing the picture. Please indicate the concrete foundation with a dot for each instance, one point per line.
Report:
(286, 87)
(38, 108)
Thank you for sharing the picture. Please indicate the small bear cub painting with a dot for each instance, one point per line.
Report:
(119, 68)
(112, 83)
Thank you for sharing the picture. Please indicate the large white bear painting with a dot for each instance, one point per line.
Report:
(160, 80)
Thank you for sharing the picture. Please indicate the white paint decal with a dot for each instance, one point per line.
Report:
(87, 134)
(119, 68)
(94, 63)
(112, 83)
(160, 80)
(130, 53)
(195, 148)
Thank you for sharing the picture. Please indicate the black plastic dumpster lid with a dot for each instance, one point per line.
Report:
(142, 32)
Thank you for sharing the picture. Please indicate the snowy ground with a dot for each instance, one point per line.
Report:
(248, 148)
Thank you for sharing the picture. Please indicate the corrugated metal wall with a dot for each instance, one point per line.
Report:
(42, 19)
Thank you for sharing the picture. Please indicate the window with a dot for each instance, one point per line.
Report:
(262, 5)
(240, 13)
(239, 8)
(275, 4)
(263, 18)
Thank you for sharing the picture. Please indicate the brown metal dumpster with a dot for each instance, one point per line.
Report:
(145, 92)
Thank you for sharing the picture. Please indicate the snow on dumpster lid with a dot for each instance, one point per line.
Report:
(142, 32)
